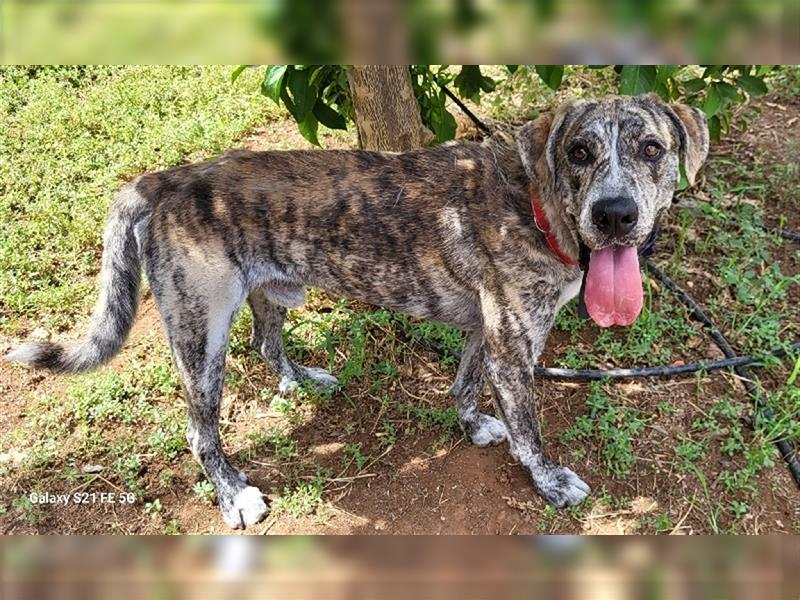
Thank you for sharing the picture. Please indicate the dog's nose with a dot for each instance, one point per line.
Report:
(615, 216)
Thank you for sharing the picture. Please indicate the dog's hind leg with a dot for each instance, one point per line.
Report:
(482, 429)
(267, 340)
(198, 314)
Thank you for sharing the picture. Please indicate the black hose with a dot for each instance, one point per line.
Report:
(665, 371)
(705, 366)
(789, 235)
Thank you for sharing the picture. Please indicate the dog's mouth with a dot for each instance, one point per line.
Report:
(612, 292)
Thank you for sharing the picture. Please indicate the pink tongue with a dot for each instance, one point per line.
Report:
(613, 292)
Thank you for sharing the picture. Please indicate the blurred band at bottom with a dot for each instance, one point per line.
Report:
(557, 567)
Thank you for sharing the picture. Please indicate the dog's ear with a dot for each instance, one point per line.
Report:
(532, 145)
(537, 140)
(692, 127)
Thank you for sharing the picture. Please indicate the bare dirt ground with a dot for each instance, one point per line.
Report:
(428, 482)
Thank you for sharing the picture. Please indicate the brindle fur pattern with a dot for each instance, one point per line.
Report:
(442, 233)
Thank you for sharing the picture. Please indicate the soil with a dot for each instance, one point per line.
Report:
(422, 486)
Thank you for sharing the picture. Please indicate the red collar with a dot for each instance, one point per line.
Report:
(543, 225)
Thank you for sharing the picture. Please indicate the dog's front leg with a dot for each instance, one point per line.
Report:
(513, 341)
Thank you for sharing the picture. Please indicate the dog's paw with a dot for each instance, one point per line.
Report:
(320, 377)
(560, 486)
(246, 508)
(486, 431)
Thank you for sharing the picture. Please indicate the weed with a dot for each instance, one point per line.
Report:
(352, 455)
(153, 508)
(299, 501)
(27, 511)
(173, 527)
(614, 427)
(205, 491)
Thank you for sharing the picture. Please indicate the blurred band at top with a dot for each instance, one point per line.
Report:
(397, 31)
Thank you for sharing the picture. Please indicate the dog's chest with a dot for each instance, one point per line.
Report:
(568, 292)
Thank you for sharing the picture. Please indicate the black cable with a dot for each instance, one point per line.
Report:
(661, 371)
(665, 371)
(789, 235)
(485, 130)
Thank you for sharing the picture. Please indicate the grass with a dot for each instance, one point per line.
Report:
(76, 134)
(610, 425)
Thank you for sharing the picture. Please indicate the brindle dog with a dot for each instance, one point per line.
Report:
(443, 233)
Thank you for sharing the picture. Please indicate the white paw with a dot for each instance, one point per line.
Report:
(321, 377)
(488, 431)
(560, 486)
(287, 384)
(247, 509)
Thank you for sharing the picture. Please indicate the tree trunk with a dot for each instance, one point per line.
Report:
(386, 112)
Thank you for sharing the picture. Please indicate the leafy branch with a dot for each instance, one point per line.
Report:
(320, 94)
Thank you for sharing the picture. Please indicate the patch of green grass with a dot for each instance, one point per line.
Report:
(443, 421)
(120, 420)
(71, 137)
(611, 426)
(301, 500)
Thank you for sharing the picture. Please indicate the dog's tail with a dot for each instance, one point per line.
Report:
(119, 296)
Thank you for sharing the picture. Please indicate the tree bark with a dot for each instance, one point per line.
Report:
(386, 112)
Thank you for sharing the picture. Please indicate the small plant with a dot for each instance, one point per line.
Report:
(27, 511)
(352, 454)
(205, 491)
(662, 523)
(168, 440)
(303, 500)
(173, 527)
(128, 469)
(152, 508)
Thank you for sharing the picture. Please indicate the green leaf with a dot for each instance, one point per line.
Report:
(637, 79)
(695, 85)
(303, 93)
(663, 91)
(442, 122)
(308, 128)
(714, 128)
(713, 102)
(238, 71)
(552, 75)
(470, 81)
(727, 91)
(272, 84)
(512, 68)
(754, 86)
(328, 116)
(664, 72)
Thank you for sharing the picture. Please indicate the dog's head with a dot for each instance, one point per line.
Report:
(611, 167)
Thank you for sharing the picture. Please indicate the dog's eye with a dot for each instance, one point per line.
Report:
(579, 154)
(651, 150)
